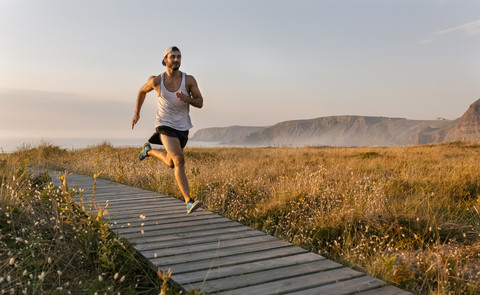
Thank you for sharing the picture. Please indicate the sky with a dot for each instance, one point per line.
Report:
(73, 69)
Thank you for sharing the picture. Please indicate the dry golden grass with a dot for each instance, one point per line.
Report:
(408, 215)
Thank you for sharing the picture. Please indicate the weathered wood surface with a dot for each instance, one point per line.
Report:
(207, 251)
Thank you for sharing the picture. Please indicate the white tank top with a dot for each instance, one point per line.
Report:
(173, 112)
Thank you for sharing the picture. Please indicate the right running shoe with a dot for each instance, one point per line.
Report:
(146, 147)
(192, 206)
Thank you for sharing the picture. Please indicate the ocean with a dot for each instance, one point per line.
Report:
(10, 144)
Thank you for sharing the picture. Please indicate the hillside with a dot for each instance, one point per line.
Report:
(350, 131)
(223, 134)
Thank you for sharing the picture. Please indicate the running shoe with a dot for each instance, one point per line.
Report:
(192, 206)
(146, 147)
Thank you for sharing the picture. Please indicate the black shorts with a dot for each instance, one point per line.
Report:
(169, 131)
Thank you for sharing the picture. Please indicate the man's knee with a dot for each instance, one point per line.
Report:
(177, 160)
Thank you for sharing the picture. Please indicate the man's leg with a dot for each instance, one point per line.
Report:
(175, 159)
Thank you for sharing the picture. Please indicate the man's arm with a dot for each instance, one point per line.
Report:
(194, 97)
(141, 98)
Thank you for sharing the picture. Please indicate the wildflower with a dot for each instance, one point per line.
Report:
(100, 278)
(41, 276)
(115, 276)
(12, 261)
(49, 260)
(24, 273)
(59, 272)
(122, 279)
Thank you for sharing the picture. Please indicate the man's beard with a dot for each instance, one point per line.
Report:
(175, 66)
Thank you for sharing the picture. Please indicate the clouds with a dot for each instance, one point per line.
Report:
(468, 29)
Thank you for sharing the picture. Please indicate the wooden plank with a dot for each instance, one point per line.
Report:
(166, 223)
(229, 260)
(145, 211)
(123, 196)
(209, 246)
(263, 277)
(143, 204)
(147, 208)
(216, 232)
(191, 224)
(251, 267)
(120, 205)
(220, 252)
(291, 284)
(135, 220)
(170, 243)
(121, 191)
(156, 215)
(176, 230)
(345, 287)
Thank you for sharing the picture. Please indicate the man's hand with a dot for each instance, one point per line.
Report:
(183, 97)
(135, 119)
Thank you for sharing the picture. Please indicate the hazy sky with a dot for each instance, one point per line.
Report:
(74, 68)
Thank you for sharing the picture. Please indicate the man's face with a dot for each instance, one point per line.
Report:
(173, 60)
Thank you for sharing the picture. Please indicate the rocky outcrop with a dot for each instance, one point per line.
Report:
(223, 134)
(342, 131)
(467, 127)
(351, 131)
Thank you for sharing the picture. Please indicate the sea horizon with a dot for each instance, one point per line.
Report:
(12, 144)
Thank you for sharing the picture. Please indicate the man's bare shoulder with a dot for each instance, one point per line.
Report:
(155, 80)
(190, 80)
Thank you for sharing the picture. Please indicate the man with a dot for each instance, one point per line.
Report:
(176, 92)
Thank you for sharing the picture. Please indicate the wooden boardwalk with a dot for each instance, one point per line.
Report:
(219, 256)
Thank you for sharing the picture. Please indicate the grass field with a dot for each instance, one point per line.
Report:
(407, 215)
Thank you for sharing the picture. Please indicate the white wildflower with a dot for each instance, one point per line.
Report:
(41, 276)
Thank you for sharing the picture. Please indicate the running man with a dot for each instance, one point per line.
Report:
(176, 92)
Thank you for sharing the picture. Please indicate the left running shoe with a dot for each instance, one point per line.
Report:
(144, 153)
(192, 206)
